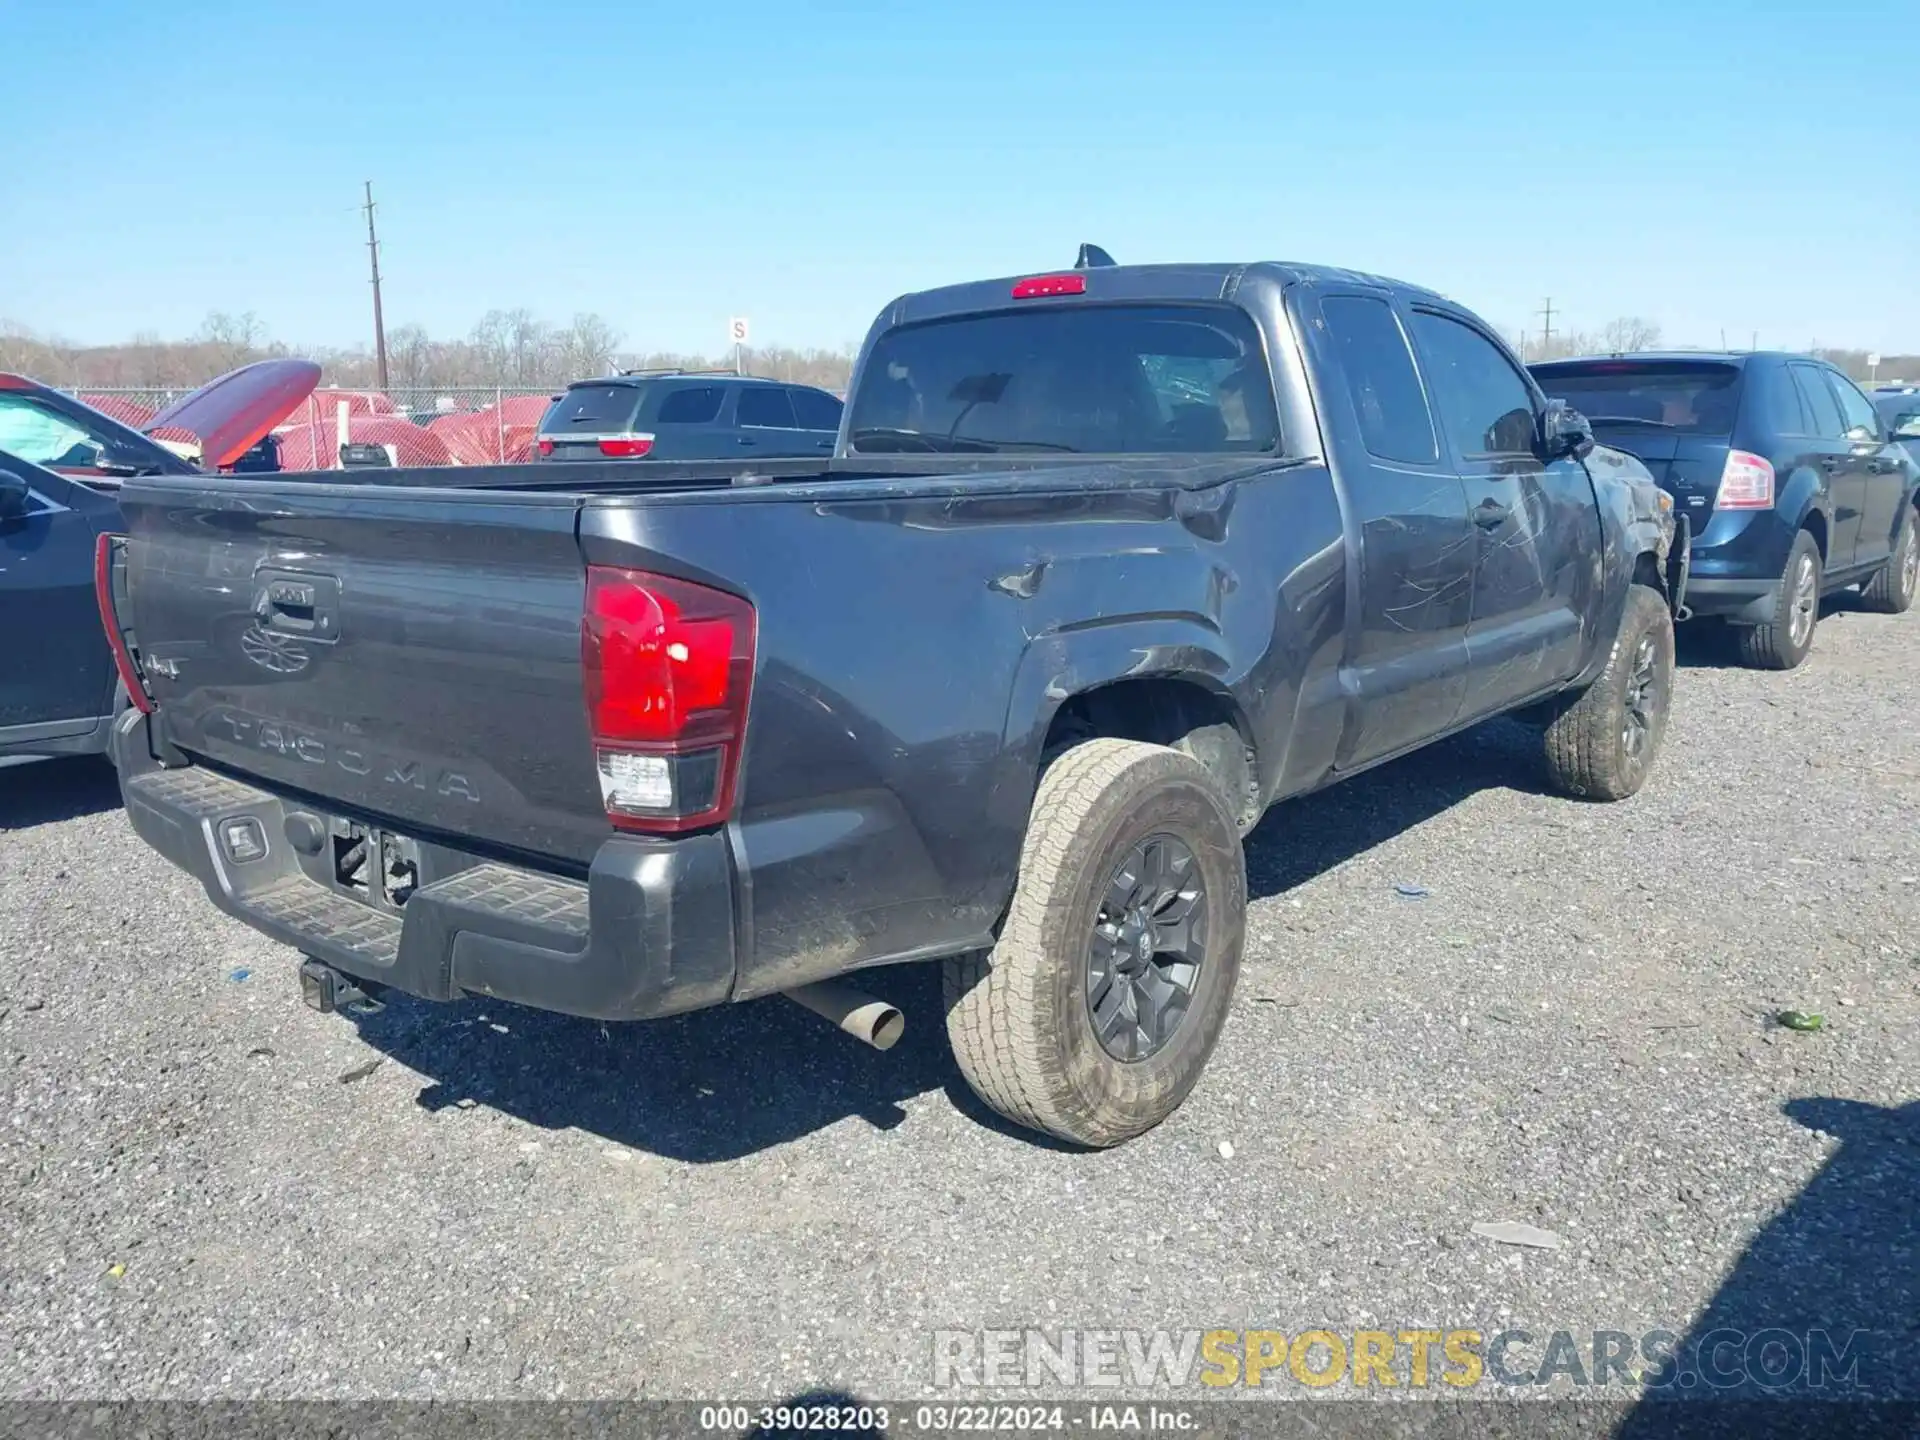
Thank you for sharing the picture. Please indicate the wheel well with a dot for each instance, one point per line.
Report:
(1646, 571)
(1816, 525)
(1160, 710)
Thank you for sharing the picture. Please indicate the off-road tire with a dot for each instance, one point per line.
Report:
(1018, 1015)
(1774, 646)
(1586, 746)
(1891, 590)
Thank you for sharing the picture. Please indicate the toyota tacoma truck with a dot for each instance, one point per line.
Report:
(1105, 563)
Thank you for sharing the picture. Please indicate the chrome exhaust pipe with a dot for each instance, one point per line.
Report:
(867, 1019)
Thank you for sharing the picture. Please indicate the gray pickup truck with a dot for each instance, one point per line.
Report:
(1106, 563)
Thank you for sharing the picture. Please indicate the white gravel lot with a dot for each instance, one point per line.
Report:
(1572, 1030)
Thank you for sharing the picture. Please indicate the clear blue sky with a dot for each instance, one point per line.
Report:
(1708, 166)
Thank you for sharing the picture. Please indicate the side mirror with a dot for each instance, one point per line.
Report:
(1564, 431)
(120, 461)
(14, 495)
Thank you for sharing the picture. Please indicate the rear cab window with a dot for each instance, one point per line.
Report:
(1686, 396)
(1103, 379)
(592, 410)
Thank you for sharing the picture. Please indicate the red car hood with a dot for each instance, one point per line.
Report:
(230, 414)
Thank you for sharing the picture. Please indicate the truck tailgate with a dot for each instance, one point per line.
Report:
(412, 655)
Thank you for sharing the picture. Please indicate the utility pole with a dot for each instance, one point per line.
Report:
(1546, 330)
(379, 324)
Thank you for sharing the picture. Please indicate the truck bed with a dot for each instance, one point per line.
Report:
(426, 674)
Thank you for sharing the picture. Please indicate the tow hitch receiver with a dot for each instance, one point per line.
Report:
(325, 989)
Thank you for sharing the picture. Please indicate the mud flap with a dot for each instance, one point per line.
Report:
(1680, 567)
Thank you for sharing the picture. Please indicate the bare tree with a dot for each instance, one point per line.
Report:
(585, 348)
(233, 339)
(410, 356)
(1628, 334)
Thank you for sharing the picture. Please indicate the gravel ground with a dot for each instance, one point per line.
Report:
(208, 1190)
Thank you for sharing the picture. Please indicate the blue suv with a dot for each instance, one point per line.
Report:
(1786, 472)
(686, 415)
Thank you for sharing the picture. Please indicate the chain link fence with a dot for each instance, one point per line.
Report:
(423, 425)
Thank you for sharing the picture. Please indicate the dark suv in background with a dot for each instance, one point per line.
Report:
(1785, 471)
(680, 415)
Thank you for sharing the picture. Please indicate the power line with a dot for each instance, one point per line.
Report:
(379, 324)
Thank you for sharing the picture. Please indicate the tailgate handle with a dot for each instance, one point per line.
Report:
(297, 604)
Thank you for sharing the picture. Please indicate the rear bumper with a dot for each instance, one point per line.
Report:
(650, 932)
(1738, 559)
(1747, 601)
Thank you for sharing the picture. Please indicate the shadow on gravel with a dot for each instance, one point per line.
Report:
(711, 1086)
(50, 790)
(1817, 1330)
(729, 1081)
(1708, 643)
(1301, 839)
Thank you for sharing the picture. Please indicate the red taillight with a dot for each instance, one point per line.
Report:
(544, 446)
(1038, 286)
(106, 555)
(1746, 483)
(668, 668)
(626, 447)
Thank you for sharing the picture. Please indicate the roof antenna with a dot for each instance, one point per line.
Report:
(1092, 257)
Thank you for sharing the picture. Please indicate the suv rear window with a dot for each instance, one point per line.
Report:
(593, 410)
(1095, 379)
(1694, 398)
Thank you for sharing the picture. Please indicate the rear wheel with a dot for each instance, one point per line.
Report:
(1603, 744)
(1784, 641)
(1891, 591)
(1096, 1011)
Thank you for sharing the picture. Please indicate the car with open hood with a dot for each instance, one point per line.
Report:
(225, 425)
(61, 462)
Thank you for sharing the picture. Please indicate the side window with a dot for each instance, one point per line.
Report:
(1784, 412)
(1394, 419)
(815, 409)
(766, 405)
(1485, 406)
(1823, 411)
(695, 405)
(1862, 423)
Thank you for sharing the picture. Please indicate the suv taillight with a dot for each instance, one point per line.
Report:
(668, 667)
(1746, 483)
(626, 447)
(109, 588)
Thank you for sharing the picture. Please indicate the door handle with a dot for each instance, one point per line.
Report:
(1829, 463)
(1490, 514)
(744, 440)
